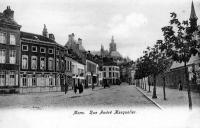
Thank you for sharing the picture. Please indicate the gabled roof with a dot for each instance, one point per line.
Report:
(193, 60)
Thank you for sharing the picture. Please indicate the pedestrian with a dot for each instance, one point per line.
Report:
(66, 88)
(80, 88)
(75, 88)
(180, 85)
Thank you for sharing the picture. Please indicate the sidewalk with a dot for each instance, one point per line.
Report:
(175, 98)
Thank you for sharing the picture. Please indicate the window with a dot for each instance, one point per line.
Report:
(57, 64)
(24, 47)
(12, 39)
(12, 56)
(33, 62)
(109, 69)
(2, 38)
(34, 81)
(12, 79)
(68, 65)
(42, 63)
(50, 80)
(2, 56)
(43, 50)
(62, 65)
(113, 74)
(57, 52)
(24, 62)
(110, 74)
(50, 51)
(117, 75)
(2, 79)
(34, 48)
(24, 80)
(104, 74)
(50, 64)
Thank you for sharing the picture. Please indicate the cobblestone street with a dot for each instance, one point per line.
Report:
(123, 95)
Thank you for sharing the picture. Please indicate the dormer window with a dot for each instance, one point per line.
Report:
(42, 50)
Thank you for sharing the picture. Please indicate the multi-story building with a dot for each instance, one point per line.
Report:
(9, 51)
(111, 74)
(42, 63)
(91, 69)
(68, 70)
(78, 73)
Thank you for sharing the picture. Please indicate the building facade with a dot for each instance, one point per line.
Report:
(9, 52)
(78, 74)
(111, 74)
(42, 63)
(91, 69)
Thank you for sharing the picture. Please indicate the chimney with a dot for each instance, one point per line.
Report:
(51, 36)
(8, 13)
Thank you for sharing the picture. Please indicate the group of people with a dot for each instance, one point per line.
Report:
(77, 86)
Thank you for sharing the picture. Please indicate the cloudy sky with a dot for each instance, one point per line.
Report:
(135, 24)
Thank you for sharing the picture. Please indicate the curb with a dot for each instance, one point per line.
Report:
(161, 108)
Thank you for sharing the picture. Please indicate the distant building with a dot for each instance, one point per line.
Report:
(91, 73)
(112, 53)
(111, 74)
(78, 73)
(113, 50)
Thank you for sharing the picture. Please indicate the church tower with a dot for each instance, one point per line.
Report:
(112, 45)
(193, 17)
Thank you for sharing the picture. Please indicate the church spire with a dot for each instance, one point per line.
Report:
(193, 17)
(112, 40)
(44, 32)
(193, 13)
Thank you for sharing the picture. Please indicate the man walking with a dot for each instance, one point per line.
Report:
(66, 88)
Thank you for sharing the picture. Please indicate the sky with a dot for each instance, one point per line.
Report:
(135, 24)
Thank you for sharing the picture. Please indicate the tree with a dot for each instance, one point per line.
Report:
(179, 44)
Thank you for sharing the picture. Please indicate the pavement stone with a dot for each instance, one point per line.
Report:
(175, 98)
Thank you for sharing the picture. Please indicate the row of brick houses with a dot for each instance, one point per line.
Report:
(37, 63)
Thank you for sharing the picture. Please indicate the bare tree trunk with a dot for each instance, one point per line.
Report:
(164, 94)
(188, 87)
(149, 85)
(154, 87)
(145, 86)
